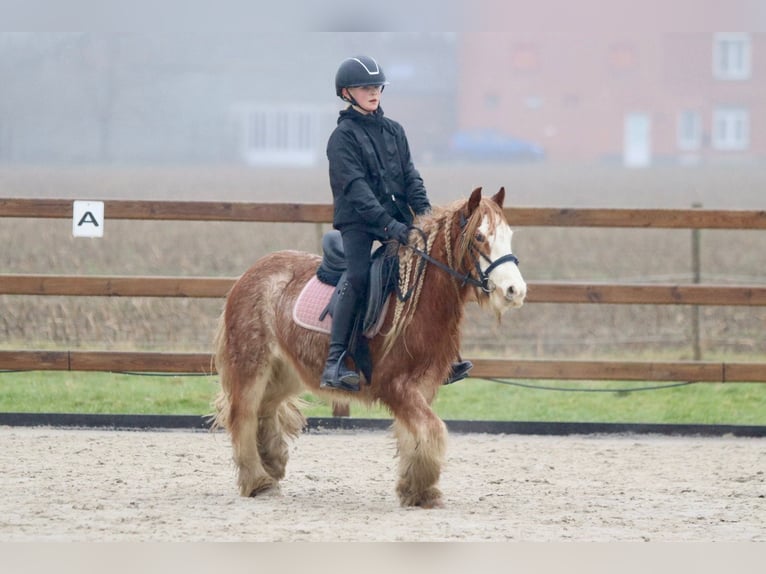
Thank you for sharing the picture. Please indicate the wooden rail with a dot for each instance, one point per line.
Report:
(174, 210)
(322, 213)
(202, 363)
(76, 285)
(539, 292)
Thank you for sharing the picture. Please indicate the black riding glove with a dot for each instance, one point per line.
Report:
(399, 231)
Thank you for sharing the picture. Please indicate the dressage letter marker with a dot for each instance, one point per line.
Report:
(88, 219)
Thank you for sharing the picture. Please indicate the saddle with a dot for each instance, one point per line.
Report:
(316, 302)
(384, 276)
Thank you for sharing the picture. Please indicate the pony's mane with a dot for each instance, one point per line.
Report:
(445, 226)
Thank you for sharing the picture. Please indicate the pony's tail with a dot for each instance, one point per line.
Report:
(222, 403)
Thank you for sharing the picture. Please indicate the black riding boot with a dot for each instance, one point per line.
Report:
(458, 371)
(336, 374)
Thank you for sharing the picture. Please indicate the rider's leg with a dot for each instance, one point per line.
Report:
(336, 374)
(357, 246)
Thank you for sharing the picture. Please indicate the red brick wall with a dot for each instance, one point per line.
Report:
(568, 82)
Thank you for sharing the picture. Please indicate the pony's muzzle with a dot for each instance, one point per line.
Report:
(516, 294)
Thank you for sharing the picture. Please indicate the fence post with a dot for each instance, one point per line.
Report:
(318, 233)
(696, 278)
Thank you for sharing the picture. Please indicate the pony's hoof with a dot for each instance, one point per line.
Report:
(429, 504)
(431, 498)
(254, 488)
(271, 492)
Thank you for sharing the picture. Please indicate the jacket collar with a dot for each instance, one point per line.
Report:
(366, 119)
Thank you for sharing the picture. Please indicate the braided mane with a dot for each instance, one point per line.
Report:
(448, 239)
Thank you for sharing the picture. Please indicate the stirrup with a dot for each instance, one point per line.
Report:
(348, 381)
(341, 384)
(458, 372)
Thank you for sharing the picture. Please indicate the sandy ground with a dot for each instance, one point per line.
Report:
(101, 485)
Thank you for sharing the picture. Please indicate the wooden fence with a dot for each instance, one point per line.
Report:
(539, 292)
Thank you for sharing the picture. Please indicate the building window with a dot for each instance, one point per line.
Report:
(280, 135)
(524, 58)
(731, 129)
(689, 130)
(731, 56)
(622, 58)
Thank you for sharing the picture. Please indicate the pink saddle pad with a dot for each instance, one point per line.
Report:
(309, 306)
(313, 299)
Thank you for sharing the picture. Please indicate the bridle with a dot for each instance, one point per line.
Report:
(481, 280)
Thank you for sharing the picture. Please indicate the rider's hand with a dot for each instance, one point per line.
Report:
(399, 231)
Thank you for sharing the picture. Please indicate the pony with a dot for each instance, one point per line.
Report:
(265, 360)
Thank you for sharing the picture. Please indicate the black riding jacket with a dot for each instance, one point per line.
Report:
(372, 175)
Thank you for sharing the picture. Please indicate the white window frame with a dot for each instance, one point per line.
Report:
(689, 130)
(281, 134)
(732, 56)
(731, 129)
(637, 140)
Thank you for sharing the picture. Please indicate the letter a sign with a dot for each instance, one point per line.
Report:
(88, 219)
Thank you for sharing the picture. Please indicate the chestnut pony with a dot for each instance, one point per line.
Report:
(265, 360)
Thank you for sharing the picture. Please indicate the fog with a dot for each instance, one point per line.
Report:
(587, 88)
(85, 98)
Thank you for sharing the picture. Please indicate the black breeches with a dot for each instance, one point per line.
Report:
(357, 246)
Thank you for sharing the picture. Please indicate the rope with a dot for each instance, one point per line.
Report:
(572, 390)
(490, 379)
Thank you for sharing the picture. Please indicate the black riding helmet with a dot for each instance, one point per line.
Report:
(358, 71)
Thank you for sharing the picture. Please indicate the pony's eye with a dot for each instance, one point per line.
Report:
(480, 236)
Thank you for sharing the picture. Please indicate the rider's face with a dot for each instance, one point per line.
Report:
(366, 97)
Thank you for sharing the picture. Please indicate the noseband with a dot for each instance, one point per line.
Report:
(482, 282)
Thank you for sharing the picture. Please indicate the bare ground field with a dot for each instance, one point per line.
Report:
(93, 485)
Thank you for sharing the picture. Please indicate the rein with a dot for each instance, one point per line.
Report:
(482, 282)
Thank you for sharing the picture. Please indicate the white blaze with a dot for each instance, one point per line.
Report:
(510, 289)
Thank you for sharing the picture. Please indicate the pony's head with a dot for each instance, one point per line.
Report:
(469, 241)
(485, 244)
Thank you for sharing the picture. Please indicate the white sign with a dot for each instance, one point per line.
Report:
(88, 219)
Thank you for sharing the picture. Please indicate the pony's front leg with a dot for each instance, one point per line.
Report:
(421, 438)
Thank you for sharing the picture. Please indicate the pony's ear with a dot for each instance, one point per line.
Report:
(473, 201)
(499, 197)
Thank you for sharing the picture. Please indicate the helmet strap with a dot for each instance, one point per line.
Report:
(350, 99)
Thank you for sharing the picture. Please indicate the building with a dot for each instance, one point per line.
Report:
(637, 83)
(259, 99)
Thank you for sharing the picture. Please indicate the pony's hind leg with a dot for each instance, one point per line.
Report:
(421, 438)
(239, 408)
(243, 425)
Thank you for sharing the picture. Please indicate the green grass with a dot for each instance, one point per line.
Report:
(472, 399)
